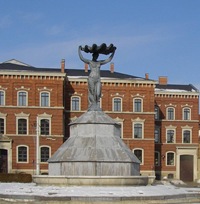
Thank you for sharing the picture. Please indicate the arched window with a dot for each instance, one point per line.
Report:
(44, 99)
(117, 104)
(170, 159)
(22, 98)
(186, 114)
(139, 153)
(170, 113)
(137, 105)
(2, 98)
(75, 103)
(44, 153)
(22, 126)
(22, 154)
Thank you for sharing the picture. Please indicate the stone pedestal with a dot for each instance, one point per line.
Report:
(94, 148)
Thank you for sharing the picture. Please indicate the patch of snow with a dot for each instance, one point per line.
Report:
(103, 191)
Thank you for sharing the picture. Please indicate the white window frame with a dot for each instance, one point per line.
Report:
(17, 126)
(183, 113)
(17, 158)
(3, 116)
(141, 149)
(169, 129)
(41, 117)
(41, 152)
(22, 116)
(186, 129)
(79, 105)
(121, 122)
(134, 99)
(113, 104)
(137, 121)
(4, 96)
(168, 114)
(19, 97)
(49, 97)
(167, 158)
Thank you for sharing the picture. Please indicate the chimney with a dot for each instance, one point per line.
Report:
(63, 66)
(86, 67)
(163, 80)
(146, 76)
(112, 67)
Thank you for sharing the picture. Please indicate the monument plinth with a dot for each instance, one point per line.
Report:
(94, 149)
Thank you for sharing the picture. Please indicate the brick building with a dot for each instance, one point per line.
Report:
(29, 98)
(159, 121)
(176, 130)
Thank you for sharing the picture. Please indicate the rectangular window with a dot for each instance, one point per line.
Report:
(1, 126)
(22, 154)
(170, 113)
(186, 136)
(44, 127)
(137, 105)
(45, 99)
(2, 98)
(117, 104)
(157, 135)
(170, 136)
(157, 113)
(170, 159)
(75, 103)
(157, 158)
(22, 98)
(186, 114)
(138, 130)
(44, 154)
(138, 154)
(22, 126)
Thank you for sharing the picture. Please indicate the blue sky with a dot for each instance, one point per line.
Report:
(159, 37)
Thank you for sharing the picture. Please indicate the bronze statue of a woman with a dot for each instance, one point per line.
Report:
(94, 80)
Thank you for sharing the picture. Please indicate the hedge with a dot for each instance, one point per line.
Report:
(20, 178)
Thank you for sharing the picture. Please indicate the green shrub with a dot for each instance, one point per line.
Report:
(21, 178)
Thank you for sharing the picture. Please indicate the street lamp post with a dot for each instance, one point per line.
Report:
(37, 148)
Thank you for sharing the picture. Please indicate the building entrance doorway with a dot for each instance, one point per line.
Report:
(3, 161)
(186, 168)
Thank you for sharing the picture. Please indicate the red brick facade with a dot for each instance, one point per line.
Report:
(33, 84)
(129, 101)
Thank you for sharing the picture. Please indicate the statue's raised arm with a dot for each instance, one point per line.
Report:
(94, 80)
(81, 56)
(109, 59)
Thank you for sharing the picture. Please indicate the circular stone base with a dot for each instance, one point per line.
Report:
(94, 180)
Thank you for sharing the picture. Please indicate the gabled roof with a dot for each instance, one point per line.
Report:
(7, 66)
(14, 61)
(19, 67)
(104, 73)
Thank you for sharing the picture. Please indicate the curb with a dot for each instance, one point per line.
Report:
(186, 197)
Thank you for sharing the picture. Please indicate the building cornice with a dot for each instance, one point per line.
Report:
(6, 74)
(116, 81)
(181, 94)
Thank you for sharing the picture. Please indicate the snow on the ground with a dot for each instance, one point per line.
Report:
(56, 191)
